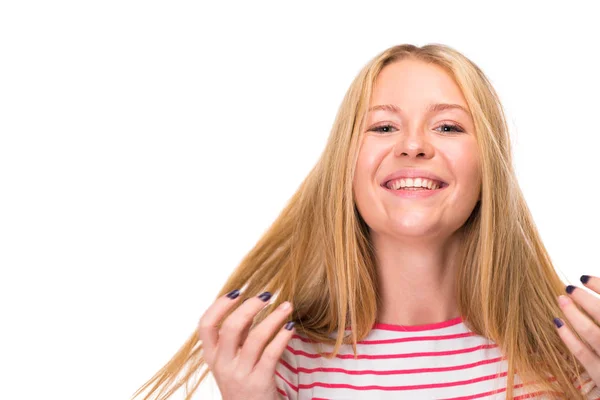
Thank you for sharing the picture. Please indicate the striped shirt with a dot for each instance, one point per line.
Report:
(436, 361)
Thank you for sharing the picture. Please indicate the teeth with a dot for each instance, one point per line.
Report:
(413, 183)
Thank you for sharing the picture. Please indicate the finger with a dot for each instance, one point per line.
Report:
(245, 331)
(583, 326)
(259, 336)
(590, 303)
(591, 282)
(235, 324)
(208, 324)
(270, 357)
(589, 360)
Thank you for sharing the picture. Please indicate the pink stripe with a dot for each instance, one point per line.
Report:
(388, 356)
(419, 338)
(413, 387)
(398, 388)
(416, 387)
(399, 340)
(413, 328)
(295, 388)
(408, 328)
(477, 396)
(387, 372)
(485, 394)
(535, 394)
(281, 392)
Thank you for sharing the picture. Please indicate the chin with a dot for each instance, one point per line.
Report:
(404, 229)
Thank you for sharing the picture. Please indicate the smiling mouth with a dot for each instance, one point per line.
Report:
(415, 189)
(414, 185)
(415, 192)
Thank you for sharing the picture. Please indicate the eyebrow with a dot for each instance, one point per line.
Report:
(432, 108)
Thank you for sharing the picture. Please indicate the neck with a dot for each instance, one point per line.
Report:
(416, 280)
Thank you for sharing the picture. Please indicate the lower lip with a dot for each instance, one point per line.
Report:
(415, 194)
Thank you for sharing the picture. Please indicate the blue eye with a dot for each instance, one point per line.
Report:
(381, 127)
(385, 128)
(454, 128)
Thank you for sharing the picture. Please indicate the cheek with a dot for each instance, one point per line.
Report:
(462, 156)
(465, 162)
(367, 164)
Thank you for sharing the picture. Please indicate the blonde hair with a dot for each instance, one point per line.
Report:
(318, 255)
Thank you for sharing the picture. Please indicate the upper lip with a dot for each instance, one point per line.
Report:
(411, 173)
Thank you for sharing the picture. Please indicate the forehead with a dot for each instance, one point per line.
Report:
(411, 83)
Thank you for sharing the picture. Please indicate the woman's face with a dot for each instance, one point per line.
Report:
(408, 135)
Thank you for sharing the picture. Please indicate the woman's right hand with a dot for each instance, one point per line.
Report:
(235, 355)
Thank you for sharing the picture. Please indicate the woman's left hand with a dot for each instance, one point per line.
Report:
(588, 354)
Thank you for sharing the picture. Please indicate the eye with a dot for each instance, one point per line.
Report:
(454, 128)
(382, 128)
(386, 128)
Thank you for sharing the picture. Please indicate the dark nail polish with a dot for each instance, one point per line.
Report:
(584, 279)
(569, 289)
(290, 325)
(265, 296)
(558, 322)
(233, 294)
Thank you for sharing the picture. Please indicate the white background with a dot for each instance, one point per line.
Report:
(146, 146)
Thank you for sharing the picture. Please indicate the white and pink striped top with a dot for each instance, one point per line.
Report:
(437, 361)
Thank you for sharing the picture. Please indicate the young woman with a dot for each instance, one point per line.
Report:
(407, 259)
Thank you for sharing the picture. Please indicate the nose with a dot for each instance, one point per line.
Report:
(412, 144)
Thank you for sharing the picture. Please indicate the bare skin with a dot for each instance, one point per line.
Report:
(242, 361)
(415, 239)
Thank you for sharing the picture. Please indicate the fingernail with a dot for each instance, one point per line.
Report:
(290, 325)
(265, 296)
(584, 279)
(558, 322)
(233, 294)
(569, 289)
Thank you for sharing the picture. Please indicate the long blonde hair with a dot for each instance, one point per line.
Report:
(318, 255)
